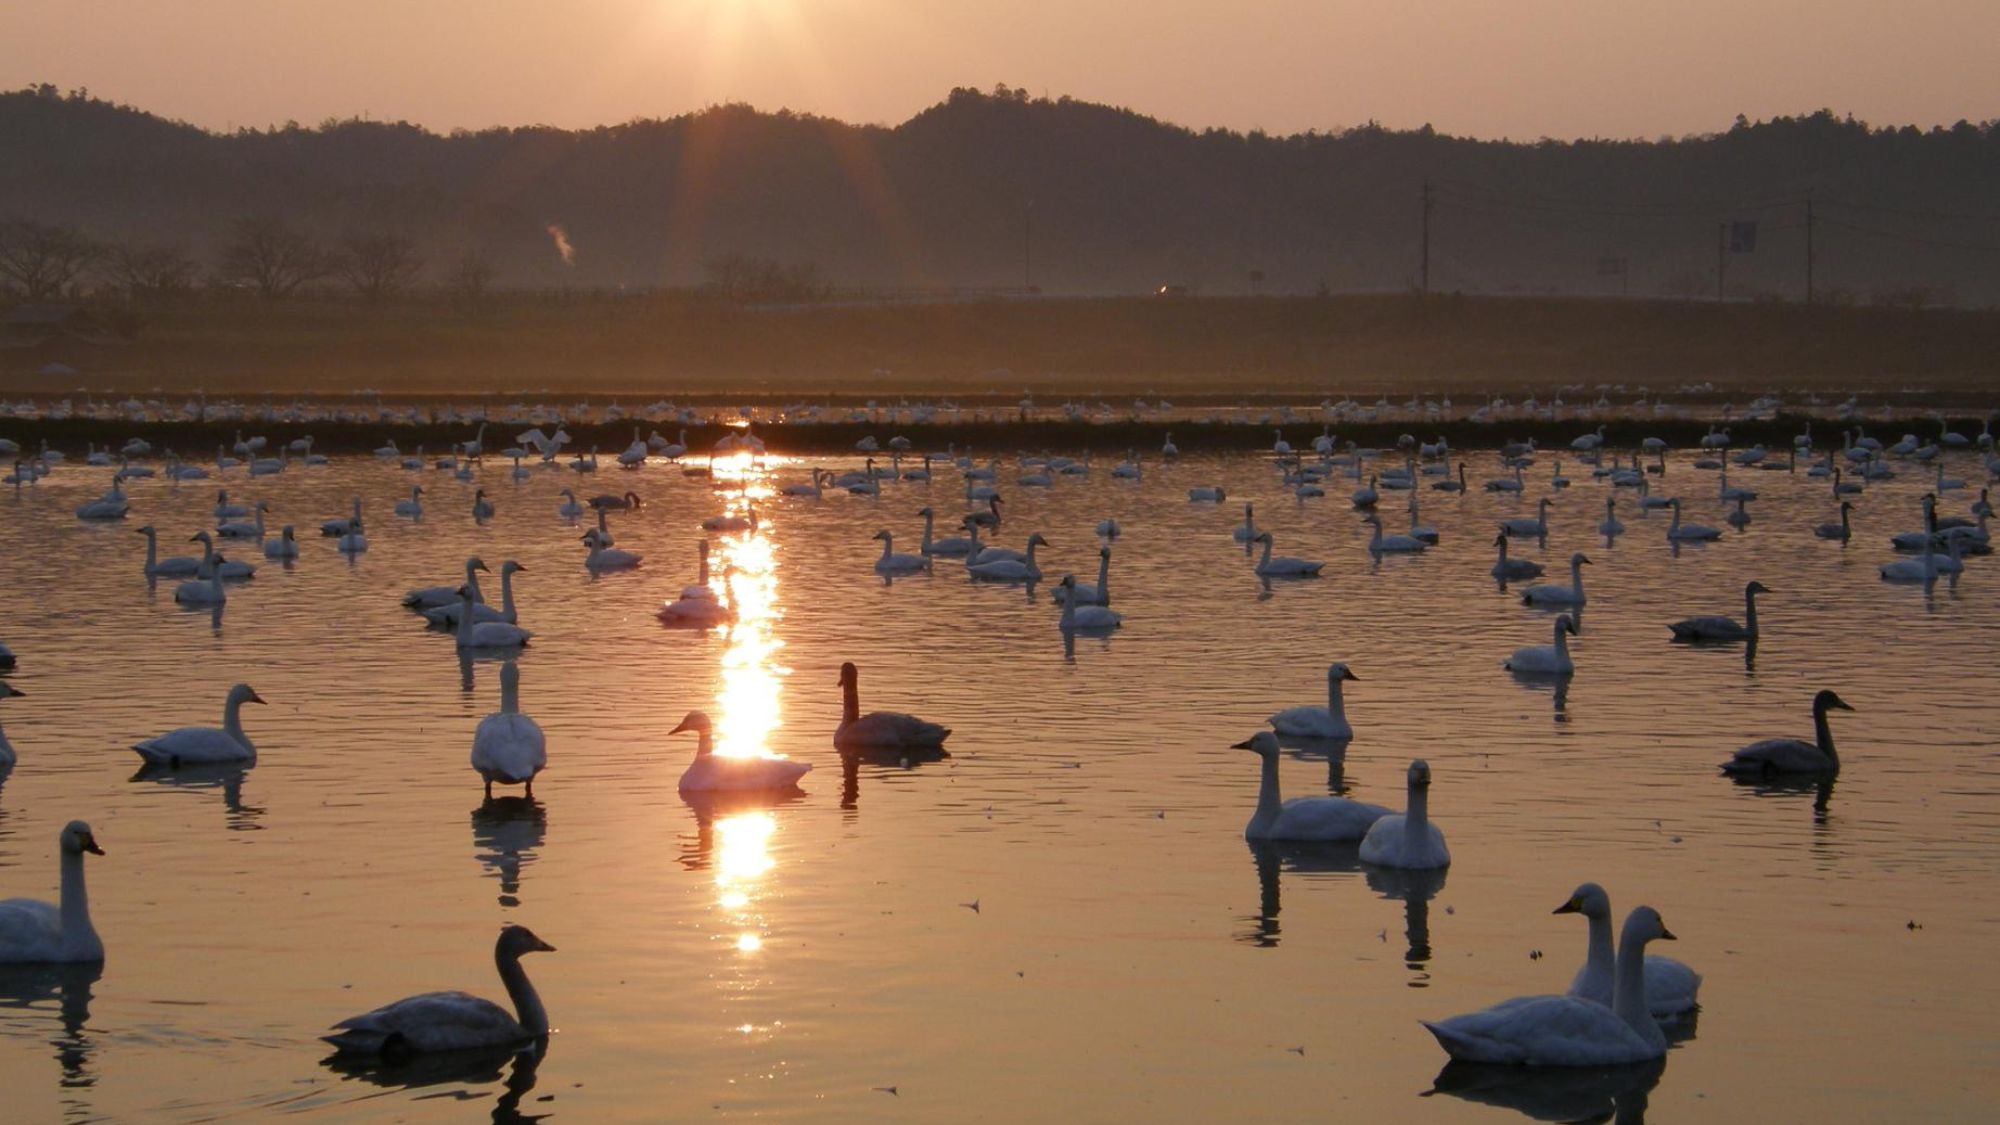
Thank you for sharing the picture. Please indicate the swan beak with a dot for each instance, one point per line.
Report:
(484, 567)
(678, 729)
(1573, 906)
(519, 569)
(90, 845)
(1347, 675)
(1667, 934)
(541, 946)
(1243, 745)
(1842, 704)
(255, 698)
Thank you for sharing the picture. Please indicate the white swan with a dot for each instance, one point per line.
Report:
(482, 508)
(893, 563)
(1843, 531)
(224, 510)
(953, 547)
(1082, 593)
(412, 508)
(570, 508)
(1571, 594)
(1508, 568)
(37, 932)
(1248, 532)
(1690, 531)
(1671, 987)
(1206, 495)
(1382, 544)
(207, 746)
(1408, 840)
(7, 755)
(1537, 528)
(241, 530)
(447, 615)
(1776, 756)
(354, 541)
(603, 558)
(1723, 628)
(1283, 566)
(1545, 660)
(880, 730)
(285, 547)
(1366, 496)
(1325, 820)
(333, 528)
(1329, 721)
(1077, 616)
(113, 505)
(182, 566)
(1566, 1030)
(1610, 525)
(711, 771)
(203, 591)
(816, 489)
(485, 634)
(1023, 569)
(431, 597)
(509, 747)
(454, 1021)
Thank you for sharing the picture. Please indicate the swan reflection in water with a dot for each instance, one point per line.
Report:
(31, 988)
(514, 1067)
(223, 776)
(1555, 1093)
(506, 831)
(1414, 888)
(881, 762)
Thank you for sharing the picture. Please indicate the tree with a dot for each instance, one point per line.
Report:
(42, 260)
(272, 257)
(470, 278)
(148, 270)
(378, 265)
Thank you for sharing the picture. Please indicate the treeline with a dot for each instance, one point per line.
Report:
(996, 189)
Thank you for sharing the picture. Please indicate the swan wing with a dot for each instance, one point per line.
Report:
(1671, 987)
(1326, 819)
(1708, 629)
(1309, 722)
(889, 730)
(1542, 1031)
(1777, 755)
(193, 746)
(433, 1021)
(510, 746)
(30, 930)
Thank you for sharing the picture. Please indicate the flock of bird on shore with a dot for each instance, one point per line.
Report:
(1613, 1011)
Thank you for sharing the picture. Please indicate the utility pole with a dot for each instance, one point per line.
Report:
(1809, 247)
(1426, 268)
(1721, 257)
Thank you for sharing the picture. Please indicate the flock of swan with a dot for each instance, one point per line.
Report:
(1610, 1015)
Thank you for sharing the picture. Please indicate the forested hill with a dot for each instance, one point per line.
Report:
(989, 190)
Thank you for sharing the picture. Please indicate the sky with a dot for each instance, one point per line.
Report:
(1520, 69)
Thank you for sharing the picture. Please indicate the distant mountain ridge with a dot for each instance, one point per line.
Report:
(993, 190)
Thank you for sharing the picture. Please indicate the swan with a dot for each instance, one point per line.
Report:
(1109, 529)
(354, 541)
(285, 547)
(203, 591)
(1537, 528)
(332, 528)
(509, 747)
(1319, 820)
(482, 508)
(485, 634)
(1329, 721)
(1408, 840)
(454, 1021)
(879, 730)
(414, 506)
(431, 597)
(1508, 484)
(1924, 568)
(1283, 566)
(1392, 544)
(1450, 484)
(1545, 660)
(1023, 569)
(1670, 985)
(224, 510)
(37, 932)
(990, 518)
(603, 558)
(1077, 616)
(241, 530)
(1206, 495)
(815, 490)
(1843, 530)
(1428, 536)
(674, 451)
(604, 536)
(1168, 449)
(7, 755)
(207, 746)
(1248, 532)
(447, 614)
(745, 522)
(893, 563)
(181, 566)
(570, 508)
(711, 771)
(608, 502)
(1571, 594)
(1568, 1030)
(1722, 628)
(111, 506)
(950, 548)
(1085, 594)
(6, 658)
(1508, 568)
(1727, 494)
(1366, 496)
(1775, 756)
(1610, 525)
(1689, 531)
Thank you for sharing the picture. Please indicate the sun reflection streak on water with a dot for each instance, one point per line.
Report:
(751, 677)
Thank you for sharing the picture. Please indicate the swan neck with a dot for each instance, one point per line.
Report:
(1336, 702)
(527, 1002)
(1417, 820)
(507, 592)
(510, 692)
(1270, 802)
(1628, 993)
(232, 722)
(1266, 560)
(1104, 579)
(1602, 960)
(850, 701)
(78, 935)
(1823, 735)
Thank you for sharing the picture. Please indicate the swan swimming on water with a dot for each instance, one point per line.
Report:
(37, 932)
(1082, 593)
(447, 615)
(1723, 628)
(880, 730)
(1077, 616)
(1508, 568)
(1691, 531)
(509, 747)
(431, 597)
(1569, 1030)
(207, 746)
(454, 1021)
(893, 563)
(1329, 721)
(182, 566)
(1524, 528)
(473, 633)
(1408, 840)
(1779, 756)
(710, 771)
(1671, 987)
(7, 755)
(1323, 820)
(1284, 566)
(1571, 594)
(1545, 660)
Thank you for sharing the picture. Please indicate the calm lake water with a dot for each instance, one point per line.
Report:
(1059, 922)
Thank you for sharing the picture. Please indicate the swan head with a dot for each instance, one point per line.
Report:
(1036, 540)
(849, 674)
(517, 940)
(1265, 538)
(511, 567)
(883, 535)
(1263, 742)
(1644, 924)
(1420, 774)
(1579, 559)
(1104, 552)
(695, 721)
(1827, 701)
(476, 563)
(201, 537)
(1588, 900)
(1756, 588)
(1566, 624)
(244, 693)
(1341, 672)
(926, 513)
(1500, 540)
(148, 530)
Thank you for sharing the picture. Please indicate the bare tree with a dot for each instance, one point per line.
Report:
(42, 260)
(272, 257)
(470, 278)
(148, 271)
(379, 264)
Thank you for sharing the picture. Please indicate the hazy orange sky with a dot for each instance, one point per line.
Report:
(1522, 69)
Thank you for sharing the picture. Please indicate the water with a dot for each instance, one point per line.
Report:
(1061, 921)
